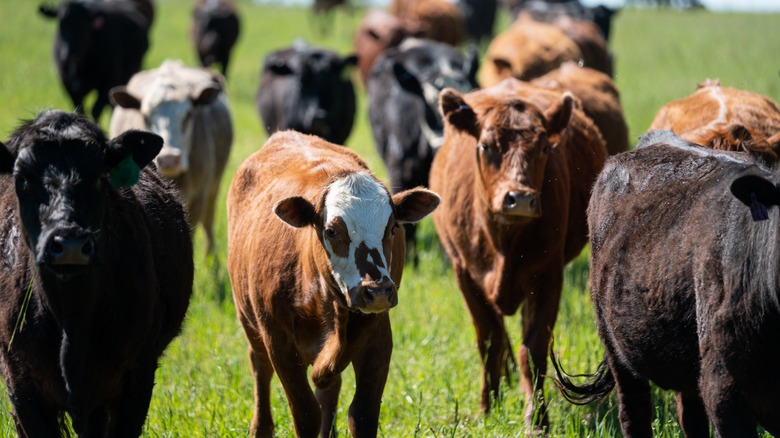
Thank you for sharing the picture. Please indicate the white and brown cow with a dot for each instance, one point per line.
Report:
(187, 107)
(315, 256)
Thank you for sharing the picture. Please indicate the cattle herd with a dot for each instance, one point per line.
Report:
(522, 158)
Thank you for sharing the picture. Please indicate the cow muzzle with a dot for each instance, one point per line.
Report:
(521, 204)
(170, 162)
(68, 247)
(373, 296)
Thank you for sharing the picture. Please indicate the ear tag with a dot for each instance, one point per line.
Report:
(126, 173)
(757, 209)
(464, 107)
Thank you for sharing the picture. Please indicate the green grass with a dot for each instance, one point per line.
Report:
(204, 385)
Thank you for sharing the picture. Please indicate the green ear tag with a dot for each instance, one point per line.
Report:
(126, 173)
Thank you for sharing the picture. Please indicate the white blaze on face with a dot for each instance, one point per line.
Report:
(361, 207)
(169, 117)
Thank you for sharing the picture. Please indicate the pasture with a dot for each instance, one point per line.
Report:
(204, 386)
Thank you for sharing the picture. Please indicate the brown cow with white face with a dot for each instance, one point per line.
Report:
(315, 255)
(514, 174)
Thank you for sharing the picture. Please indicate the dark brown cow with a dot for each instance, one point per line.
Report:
(315, 255)
(97, 263)
(600, 100)
(514, 174)
(724, 118)
(528, 49)
(438, 20)
(378, 31)
(214, 30)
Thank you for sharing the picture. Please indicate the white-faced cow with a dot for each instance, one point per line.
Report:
(307, 89)
(685, 255)
(514, 174)
(315, 255)
(188, 108)
(95, 275)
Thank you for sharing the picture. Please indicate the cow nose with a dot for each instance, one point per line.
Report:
(70, 249)
(381, 295)
(521, 204)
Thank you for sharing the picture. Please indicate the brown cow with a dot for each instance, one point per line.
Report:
(514, 174)
(439, 20)
(315, 255)
(528, 49)
(591, 42)
(724, 118)
(378, 31)
(600, 100)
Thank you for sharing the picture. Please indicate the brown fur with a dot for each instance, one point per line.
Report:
(592, 44)
(439, 20)
(502, 261)
(378, 31)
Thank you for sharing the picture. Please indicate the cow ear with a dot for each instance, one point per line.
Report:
(119, 96)
(296, 211)
(414, 204)
(130, 152)
(503, 67)
(457, 112)
(207, 95)
(406, 79)
(47, 11)
(757, 193)
(471, 66)
(6, 160)
(559, 114)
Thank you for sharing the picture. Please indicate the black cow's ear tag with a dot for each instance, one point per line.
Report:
(126, 173)
(757, 210)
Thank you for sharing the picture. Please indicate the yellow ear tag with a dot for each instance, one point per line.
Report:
(126, 173)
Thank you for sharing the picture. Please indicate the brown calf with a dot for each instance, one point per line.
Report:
(315, 256)
(514, 174)
(724, 118)
(439, 20)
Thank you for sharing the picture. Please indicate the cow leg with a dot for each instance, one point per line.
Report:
(263, 371)
(32, 416)
(371, 366)
(492, 339)
(100, 102)
(208, 218)
(133, 404)
(729, 412)
(692, 415)
(635, 409)
(328, 398)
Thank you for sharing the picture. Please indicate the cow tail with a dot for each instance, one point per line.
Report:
(597, 387)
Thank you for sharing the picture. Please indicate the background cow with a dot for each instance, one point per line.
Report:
(480, 17)
(377, 32)
(315, 263)
(188, 108)
(98, 45)
(724, 118)
(100, 273)
(514, 174)
(692, 303)
(214, 31)
(403, 97)
(549, 12)
(307, 89)
(438, 20)
(600, 100)
(592, 45)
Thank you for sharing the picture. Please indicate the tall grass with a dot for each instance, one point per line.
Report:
(204, 386)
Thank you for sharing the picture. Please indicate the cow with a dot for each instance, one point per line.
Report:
(592, 45)
(600, 100)
(514, 174)
(438, 20)
(186, 106)
(308, 89)
(378, 31)
(549, 12)
(214, 30)
(724, 118)
(684, 285)
(98, 45)
(403, 98)
(315, 255)
(480, 17)
(95, 278)
(527, 50)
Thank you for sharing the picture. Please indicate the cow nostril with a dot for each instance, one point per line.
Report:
(532, 203)
(510, 200)
(55, 246)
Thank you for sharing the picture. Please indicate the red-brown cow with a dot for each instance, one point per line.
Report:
(527, 50)
(724, 118)
(439, 20)
(315, 256)
(600, 100)
(514, 174)
(378, 31)
(591, 42)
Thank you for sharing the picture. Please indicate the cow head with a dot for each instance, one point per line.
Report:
(77, 23)
(513, 139)
(424, 68)
(64, 169)
(314, 92)
(356, 223)
(167, 109)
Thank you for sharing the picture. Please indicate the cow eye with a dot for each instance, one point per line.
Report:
(331, 233)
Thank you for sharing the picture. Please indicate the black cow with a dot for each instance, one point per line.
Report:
(98, 45)
(307, 89)
(95, 275)
(403, 107)
(685, 256)
(480, 16)
(214, 31)
(548, 12)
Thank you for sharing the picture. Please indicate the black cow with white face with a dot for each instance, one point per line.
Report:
(403, 107)
(307, 89)
(97, 264)
(98, 45)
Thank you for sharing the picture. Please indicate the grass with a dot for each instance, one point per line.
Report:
(204, 386)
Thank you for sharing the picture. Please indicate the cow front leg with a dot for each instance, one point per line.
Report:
(692, 415)
(371, 366)
(263, 371)
(726, 407)
(32, 416)
(132, 405)
(328, 397)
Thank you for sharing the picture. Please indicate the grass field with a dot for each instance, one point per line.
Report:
(204, 386)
